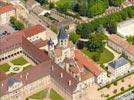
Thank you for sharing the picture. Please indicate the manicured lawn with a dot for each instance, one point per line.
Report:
(40, 95)
(5, 67)
(63, 1)
(105, 57)
(19, 61)
(55, 96)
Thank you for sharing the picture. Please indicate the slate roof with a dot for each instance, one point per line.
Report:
(50, 42)
(11, 81)
(62, 33)
(118, 63)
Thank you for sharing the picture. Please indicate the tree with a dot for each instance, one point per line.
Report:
(130, 39)
(51, 5)
(98, 8)
(62, 7)
(130, 12)
(115, 83)
(74, 37)
(116, 2)
(76, 7)
(96, 57)
(115, 91)
(112, 27)
(42, 2)
(95, 44)
(16, 24)
(124, 14)
(80, 44)
(122, 88)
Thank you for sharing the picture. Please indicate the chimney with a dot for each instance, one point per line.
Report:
(69, 82)
(20, 76)
(61, 75)
(27, 76)
(2, 85)
(52, 68)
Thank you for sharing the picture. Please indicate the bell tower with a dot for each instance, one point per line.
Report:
(62, 38)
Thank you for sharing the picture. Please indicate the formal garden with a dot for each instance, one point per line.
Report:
(15, 66)
(47, 93)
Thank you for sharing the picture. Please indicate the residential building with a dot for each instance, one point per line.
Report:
(119, 67)
(6, 11)
(121, 45)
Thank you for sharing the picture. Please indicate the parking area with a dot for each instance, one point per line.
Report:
(127, 96)
(5, 30)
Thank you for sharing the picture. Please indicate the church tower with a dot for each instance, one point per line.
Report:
(62, 38)
(50, 48)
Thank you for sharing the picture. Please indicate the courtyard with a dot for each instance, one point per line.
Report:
(16, 65)
(47, 94)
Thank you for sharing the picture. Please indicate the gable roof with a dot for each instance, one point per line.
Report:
(122, 43)
(28, 32)
(89, 64)
(6, 8)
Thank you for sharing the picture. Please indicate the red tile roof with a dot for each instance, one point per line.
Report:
(122, 43)
(13, 40)
(130, 49)
(3, 76)
(119, 41)
(41, 71)
(28, 32)
(34, 51)
(58, 52)
(6, 8)
(40, 43)
(89, 64)
(56, 73)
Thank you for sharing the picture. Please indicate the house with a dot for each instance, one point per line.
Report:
(119, 67)
(6, 11)
(30, 4)
(121, 45)
(39, 11)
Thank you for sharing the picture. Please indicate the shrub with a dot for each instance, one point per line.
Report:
(115, 91)
(122, 88)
